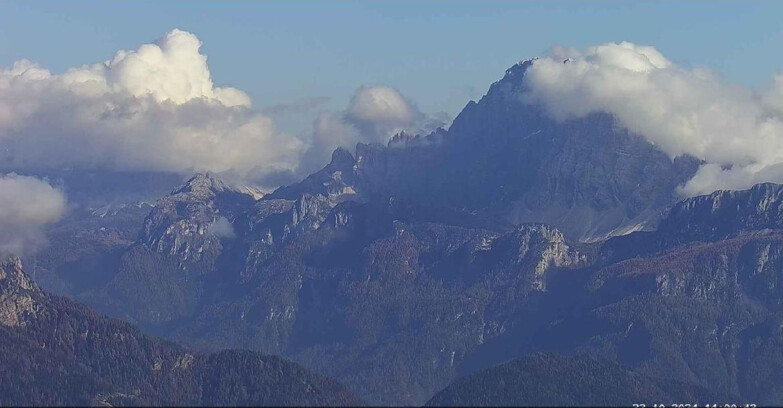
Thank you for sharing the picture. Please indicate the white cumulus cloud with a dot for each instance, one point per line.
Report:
(153, 108)
(373, 115)
(737, 131)
(27, 204)
(378, 111)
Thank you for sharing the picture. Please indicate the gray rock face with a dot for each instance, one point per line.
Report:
(727, 212)
(17, 305)
(539, 247)
(336, 181)
(182, 223)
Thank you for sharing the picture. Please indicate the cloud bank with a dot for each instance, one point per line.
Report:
(153, 108)
(26, 205)
(156, 108)
(737, 131)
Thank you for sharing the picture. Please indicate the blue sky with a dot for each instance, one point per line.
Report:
(439, 54)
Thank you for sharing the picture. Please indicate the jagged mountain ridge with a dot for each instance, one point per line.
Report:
(311, 226)
(408, 254)
(57, 352)
(687, 302)
(345, 286)
(295, 273)
(507, 159)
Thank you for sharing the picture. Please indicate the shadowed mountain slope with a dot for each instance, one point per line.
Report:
(57, 352)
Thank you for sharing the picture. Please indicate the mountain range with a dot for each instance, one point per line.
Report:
(511, 259)
(57, 352)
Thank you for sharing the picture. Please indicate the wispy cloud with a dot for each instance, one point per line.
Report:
(300, 106)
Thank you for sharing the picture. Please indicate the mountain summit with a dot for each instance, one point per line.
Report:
(402, 266)
(17, 303)
(506, 158)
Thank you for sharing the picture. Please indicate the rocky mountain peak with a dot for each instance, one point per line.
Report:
(505, 158)
(202, 185)
(11, 275)
(184, 222)
(518, 70)
(335, 180)
(342, 159)
(17, 302)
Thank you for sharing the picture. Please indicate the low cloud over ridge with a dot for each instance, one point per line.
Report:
(373, 115)
(737, 131)
(27, 204)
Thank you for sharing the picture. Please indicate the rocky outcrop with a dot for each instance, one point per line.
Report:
(335, 181)
(724, 213)
(18, 303)
(542, 247)
(190, 222)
